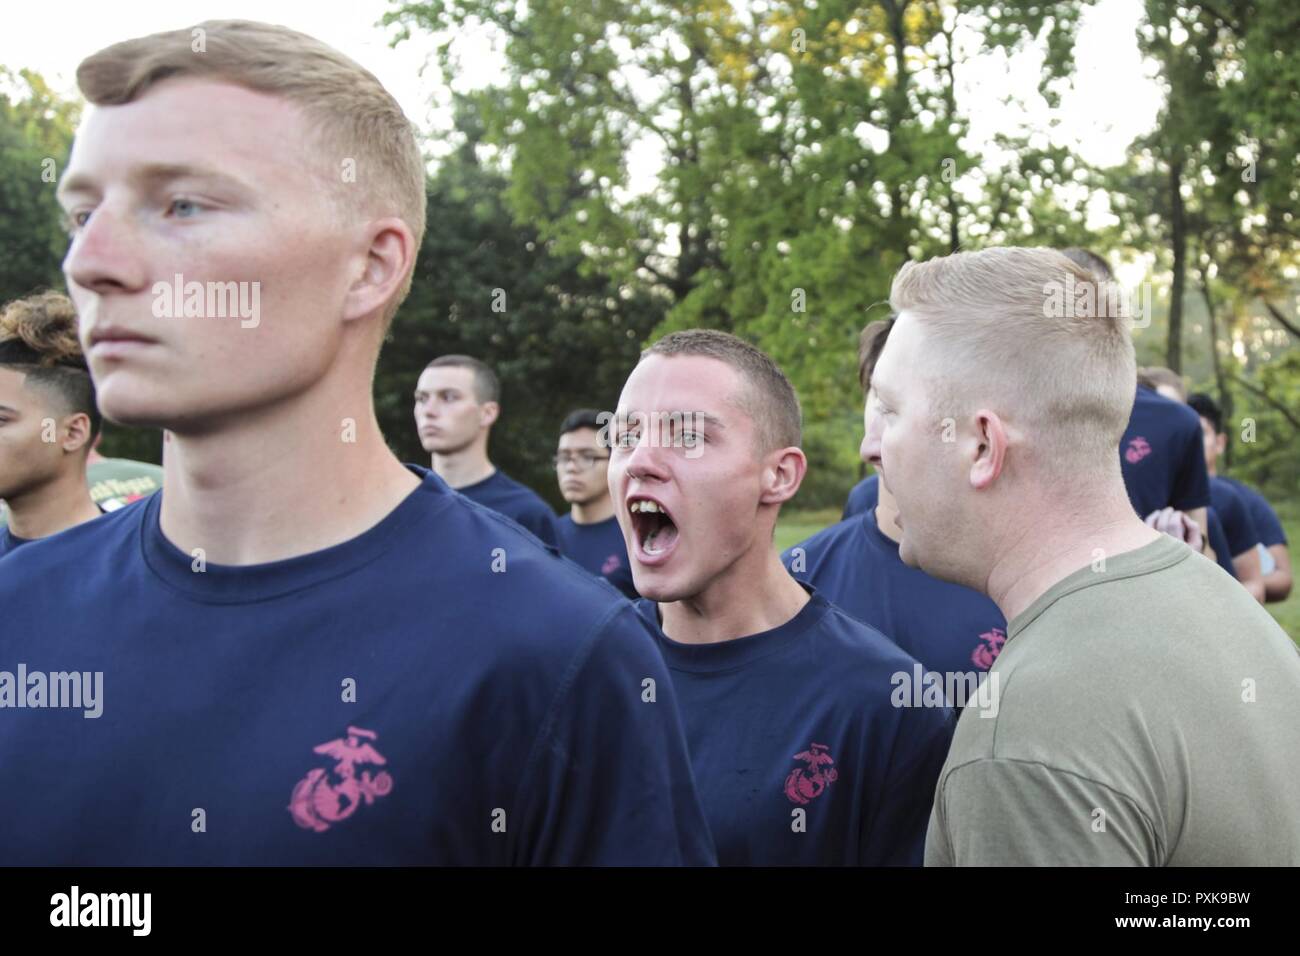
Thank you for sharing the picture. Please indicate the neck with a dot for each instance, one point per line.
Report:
(465, 467)
(1060, 539)
(751, 597)
(886, 512)
(54, 506)
(591, 512)
(266, 488)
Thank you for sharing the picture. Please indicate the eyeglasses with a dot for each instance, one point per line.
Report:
(583, 459)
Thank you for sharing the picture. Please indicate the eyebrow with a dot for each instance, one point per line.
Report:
(621, 418)
(152, 174)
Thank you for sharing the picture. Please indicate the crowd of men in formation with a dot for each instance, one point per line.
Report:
(1014, 648)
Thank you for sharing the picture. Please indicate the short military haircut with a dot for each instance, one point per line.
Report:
(487, 387)
(768, 397)
(1154, 376)
(870, 344)
(582, 418)
(1034, 335)
(353, 115)
(1094, 263)
(38, 337)
(1207, 408)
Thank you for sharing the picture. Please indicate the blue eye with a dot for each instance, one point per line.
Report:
(75, 220)
(178, 206)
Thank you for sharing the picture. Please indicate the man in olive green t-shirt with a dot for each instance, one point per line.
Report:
(1146, 710)
(1134, 727)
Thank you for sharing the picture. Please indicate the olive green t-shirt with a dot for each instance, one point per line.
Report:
(1148, 714)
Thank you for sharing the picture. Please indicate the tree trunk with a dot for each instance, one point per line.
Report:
(1220, 381)
(1178, 223)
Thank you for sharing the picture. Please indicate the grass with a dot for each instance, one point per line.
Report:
(795, 526)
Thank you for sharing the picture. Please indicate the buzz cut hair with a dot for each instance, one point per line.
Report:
(1035, 335)
(768, 397)
(1153, 376)
(487, 387)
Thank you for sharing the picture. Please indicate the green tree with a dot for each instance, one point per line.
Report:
(559, 337)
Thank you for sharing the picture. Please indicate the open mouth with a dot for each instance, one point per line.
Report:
(656, 532)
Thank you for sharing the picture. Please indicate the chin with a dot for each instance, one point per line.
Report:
(137, 410)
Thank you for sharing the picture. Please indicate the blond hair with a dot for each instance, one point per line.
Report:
(1036, 337)
(354, 116)
(1153, 376)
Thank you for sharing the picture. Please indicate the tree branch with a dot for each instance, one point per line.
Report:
(1256, 390)
(1281, 319)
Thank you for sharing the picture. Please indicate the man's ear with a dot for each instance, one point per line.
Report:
(992, 449)
(388, 258)
(75, 429)
(782, 475)
(489, 412)
(1221, 442)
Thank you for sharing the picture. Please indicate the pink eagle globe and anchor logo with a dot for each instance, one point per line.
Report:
(990, 646)
(326, 797)
(806, 783)
(1138, 448)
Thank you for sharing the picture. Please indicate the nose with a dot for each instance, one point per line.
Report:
(646, 461)
(870, 450)
(104, 255)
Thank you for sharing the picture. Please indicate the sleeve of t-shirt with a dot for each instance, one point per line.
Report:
(1192, 482)
(895, 835)
(997, 812)
(1238, 525)
(1266, 521)
(609, 782)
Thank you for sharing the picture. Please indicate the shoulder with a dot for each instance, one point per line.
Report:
(842, 534)
(845, 643)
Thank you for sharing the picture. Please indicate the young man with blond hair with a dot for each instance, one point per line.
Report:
(309, 653)
(804, 754)
(1150, 709)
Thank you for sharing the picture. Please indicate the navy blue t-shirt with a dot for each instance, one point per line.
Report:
(1162, 456)
(9, 541)
(948, 628)
(441, 689)
(863, 497)
(518, 502)
(598, 547)
(1265, 519)
(1238, 526)
(1219, 542)
(800, 758)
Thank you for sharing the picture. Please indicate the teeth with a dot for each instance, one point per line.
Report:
(641, 506)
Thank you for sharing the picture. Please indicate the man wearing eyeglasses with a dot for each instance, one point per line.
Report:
(589, 534)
